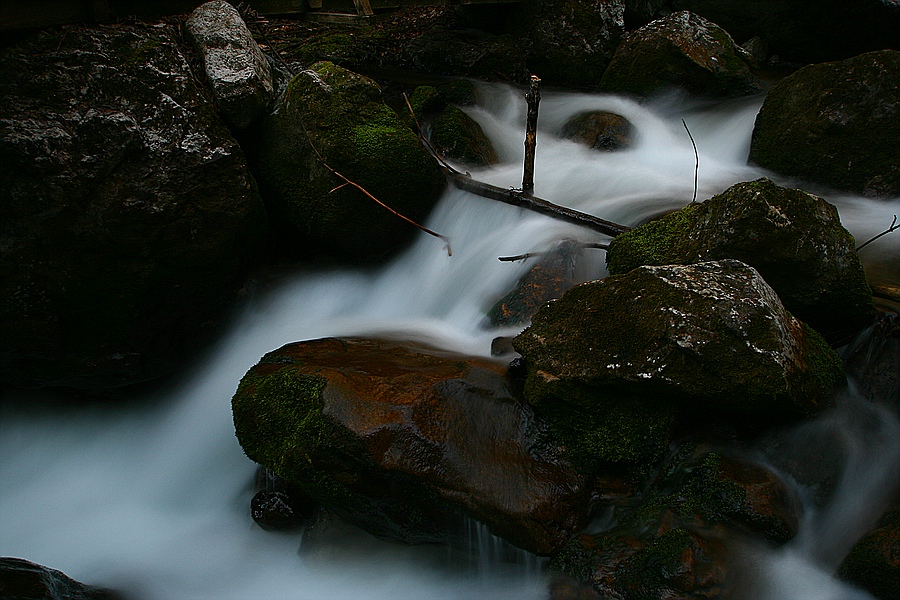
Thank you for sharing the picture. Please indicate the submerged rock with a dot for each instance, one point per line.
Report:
(712, 334)
(680, 51)
(128, 211)
(874, 562)
(405, 443)
(331, 115)
(794, 239)
(235, 67)
(836, 124)
(600, 130)
(24, 580)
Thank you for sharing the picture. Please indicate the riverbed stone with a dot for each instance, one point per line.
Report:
(405, 442)
(711, 335)
(335, 117)
(680, 51)
(24, 580)
(793, 238)
(235, 67)
(600, 130)
(874, 562)
(128, 211)
(836, 124)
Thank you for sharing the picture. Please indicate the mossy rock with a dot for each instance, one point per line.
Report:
(874, 562)
(329, 115)
(713, 335)
(836, 124)
(680, 51)
(794, 239)
(600, 130)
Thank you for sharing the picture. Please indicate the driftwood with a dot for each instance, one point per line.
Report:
(533, 98)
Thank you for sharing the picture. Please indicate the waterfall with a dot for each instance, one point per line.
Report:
(153, 498)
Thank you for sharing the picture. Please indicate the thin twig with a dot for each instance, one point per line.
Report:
(423, 139)
(894, 227)
(528, 255)
(696, 160)
(368, 194)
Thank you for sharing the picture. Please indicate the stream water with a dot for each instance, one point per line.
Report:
(153, 498)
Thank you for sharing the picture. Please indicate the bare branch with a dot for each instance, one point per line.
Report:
(696, 160)
(894, 227)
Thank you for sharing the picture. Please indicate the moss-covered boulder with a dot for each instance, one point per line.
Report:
(570, 42)
(680, 51)
(600, 130)
(329, 115)
(794, 239)
(451, 131)
(405, 442)
(668, 543)
(235, 67)
(128, 211)
(836, 124)
(712, 335)
(874, 562)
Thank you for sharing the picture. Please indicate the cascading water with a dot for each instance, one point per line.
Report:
(153, 498)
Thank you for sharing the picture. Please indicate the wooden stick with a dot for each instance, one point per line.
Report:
(533, 97)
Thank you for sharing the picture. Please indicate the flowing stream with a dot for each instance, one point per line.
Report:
(153, 498)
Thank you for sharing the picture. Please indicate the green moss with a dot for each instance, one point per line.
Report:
(462, 139)
(825, 364)
(653, 568)
(651, 243)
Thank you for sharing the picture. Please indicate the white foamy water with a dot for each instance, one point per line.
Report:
(153, 499)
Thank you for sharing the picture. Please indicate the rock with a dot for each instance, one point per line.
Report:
(680, 51)
(24, 580)
(279, 505)
(600, 129)
(453, 133)
(547, 280)
(235, 67)
(874, 562)
(466, 53)
(404, 443)
(669, 543)
(836, 124)
(872, 360)
(794, 239)
(711, 335)
(343, 115)
(571, 41)
(128, 211)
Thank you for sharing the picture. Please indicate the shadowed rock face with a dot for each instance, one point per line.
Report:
(235, 67)
(404, 442)
(682, 50)
(24, 580)
(127, 207)
(836, 123)
(794, 239)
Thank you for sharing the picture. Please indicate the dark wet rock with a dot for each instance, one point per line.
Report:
(235, 67)
(128, 212)
(681, 51)
(609, 361)
(467, 53)
(874, 562)
(275, 511)
(24, 580)
(600, 130)
(549, 279)
(406, 444)
(836, 124)
(794, 239)
(342, 114)
(872, 360)
(563, 587)
(451, 131)
(571, 41)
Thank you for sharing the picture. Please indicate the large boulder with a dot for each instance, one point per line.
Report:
(571, 41)
(442, 50)
(836, 124)
(680, 51)
(329, 116)
(237, 70)
(874, 562)
(600, 130)
(794, 239)
(128, 210)
(24, 580)
(712, 335)
(404, 443)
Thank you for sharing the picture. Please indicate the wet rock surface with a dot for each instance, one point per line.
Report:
(24, 580)
(600, 130)
(874, 562)
(128, 212)
(406, 443)
(235, 67)
(794, 239)
(680, 51)
(836, 124)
